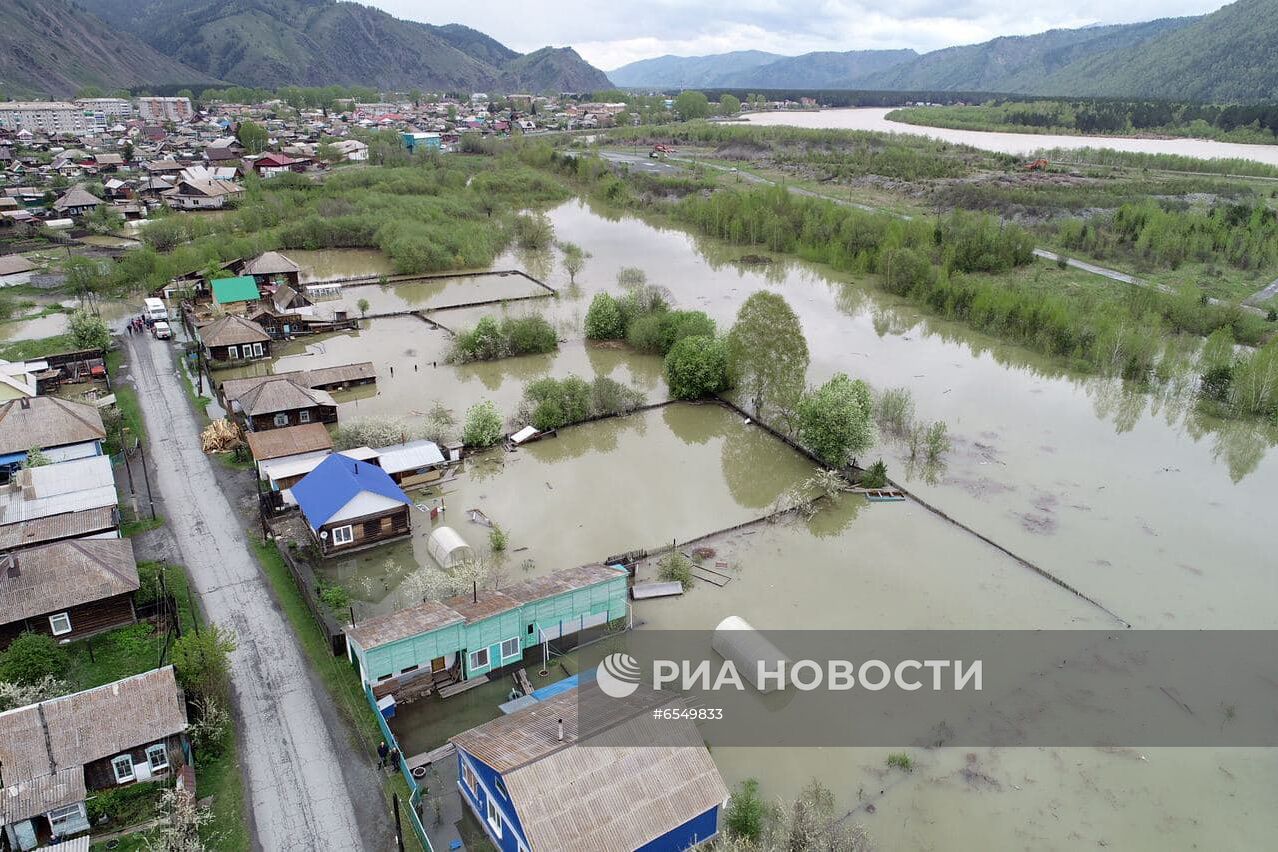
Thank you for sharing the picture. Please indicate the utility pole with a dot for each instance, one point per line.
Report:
(146, 476)
(399, 830)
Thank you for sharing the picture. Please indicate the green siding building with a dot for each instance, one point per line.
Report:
(468, 636)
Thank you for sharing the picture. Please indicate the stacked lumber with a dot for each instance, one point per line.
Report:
(221, 436)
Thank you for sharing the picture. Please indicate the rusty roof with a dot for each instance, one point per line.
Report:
(62, 733)
(58, 576)
(47, 421)
(289, 441)
(417, 619)
(54, 527)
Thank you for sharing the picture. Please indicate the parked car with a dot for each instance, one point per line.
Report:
(161, 330)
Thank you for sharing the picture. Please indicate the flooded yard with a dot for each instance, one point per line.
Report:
(440, 293)
(1159, 514)
(596, 490)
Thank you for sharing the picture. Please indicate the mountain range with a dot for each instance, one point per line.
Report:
(1223, 56)
(54, 47)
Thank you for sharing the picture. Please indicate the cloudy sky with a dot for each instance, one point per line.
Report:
(610, 34)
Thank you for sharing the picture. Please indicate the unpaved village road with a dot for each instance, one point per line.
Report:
(297, 797)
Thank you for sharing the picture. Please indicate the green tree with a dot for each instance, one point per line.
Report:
(202, 661)
(362, 304)
(729, 104)
(603, 319)
(746, 811)
(768, 354)
(84, 276)
(836, 420)
(36, 458)
(89, 331)
(692, 104)
(697, 367)
(483, 426)
(574, 260)
(31, 658)
(252, 136)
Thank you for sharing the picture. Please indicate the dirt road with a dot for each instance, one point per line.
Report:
(297, 796)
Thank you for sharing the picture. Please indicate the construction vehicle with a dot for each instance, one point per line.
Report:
(1039, 165)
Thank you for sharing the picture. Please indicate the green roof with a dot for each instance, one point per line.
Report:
(242, 289)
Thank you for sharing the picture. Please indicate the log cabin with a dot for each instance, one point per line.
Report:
(350, 505)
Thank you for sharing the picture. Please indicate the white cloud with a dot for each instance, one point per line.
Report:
(611, 34)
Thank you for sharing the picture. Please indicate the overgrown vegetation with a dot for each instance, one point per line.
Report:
(491, 339)
(550, 403)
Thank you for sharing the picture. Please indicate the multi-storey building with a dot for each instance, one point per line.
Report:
(42, 117)
(165, 109)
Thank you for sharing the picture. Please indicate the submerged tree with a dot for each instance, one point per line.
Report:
(768, 354)
(836, 420)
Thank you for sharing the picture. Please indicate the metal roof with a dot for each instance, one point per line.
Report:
(409, 456)
(336, 481)
(54, 489)
(34, 796)
(52, 528)
(270, 263)
(240, 289)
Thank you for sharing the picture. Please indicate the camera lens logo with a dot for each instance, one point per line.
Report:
(618, 675)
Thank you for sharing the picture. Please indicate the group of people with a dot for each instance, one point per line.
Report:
(387, 756)
(139, 323)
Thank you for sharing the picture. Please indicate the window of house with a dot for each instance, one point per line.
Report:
(343, 535)
(479, 659)
(510, 648)
(158, 756)
(281, 419)
(468, 775)
(257, 350)
(123, 767)
(494, 817)
(60, 623)
(411, 668)
(303, 417)
(232, 353)
(385, 677)
(60, 817)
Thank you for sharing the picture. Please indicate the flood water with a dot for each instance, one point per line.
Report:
(1158, 514)
(875, 118)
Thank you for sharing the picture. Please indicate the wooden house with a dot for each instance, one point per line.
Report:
(202, 194)
(76, 202)
(534, 788)
(350, 505)
(67, 590)
(339, 377)
(61, 429)
(234, 338)
(272, 269)
(280, 402)
(476, 635)
(57, 752)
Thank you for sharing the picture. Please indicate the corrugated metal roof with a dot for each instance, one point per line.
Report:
(289, 441)
(410, 456)
(56, 489)
(65, 477)
(58, 576)
(239, 289)
(90, 725)
(67, 525)
(270, 263)
(419, 618)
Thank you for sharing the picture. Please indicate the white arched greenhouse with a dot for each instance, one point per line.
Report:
(448, 548)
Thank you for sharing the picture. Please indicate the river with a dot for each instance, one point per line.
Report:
(1159, 515)
(875, 118)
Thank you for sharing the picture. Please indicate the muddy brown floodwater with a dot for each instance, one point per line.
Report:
(1162, 516)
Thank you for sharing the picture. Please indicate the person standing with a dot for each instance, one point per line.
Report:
(383, 751)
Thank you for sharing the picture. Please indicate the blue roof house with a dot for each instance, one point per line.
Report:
(350, 505)
(534, 789)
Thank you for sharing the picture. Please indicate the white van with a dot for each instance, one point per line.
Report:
(161, 330)
(154, 308)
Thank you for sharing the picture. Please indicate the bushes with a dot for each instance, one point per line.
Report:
(835, 421)
(674, 567)
(657, 333)
(533, 231)
(746, 812)
(553, 403)
(202, 662)
(89, 330)
(603, 319)
(33, 657)
(483, 426)
(697, 367)
(490, 339)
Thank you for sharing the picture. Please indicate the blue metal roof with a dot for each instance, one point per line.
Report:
(335, 482)
(548, 692)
